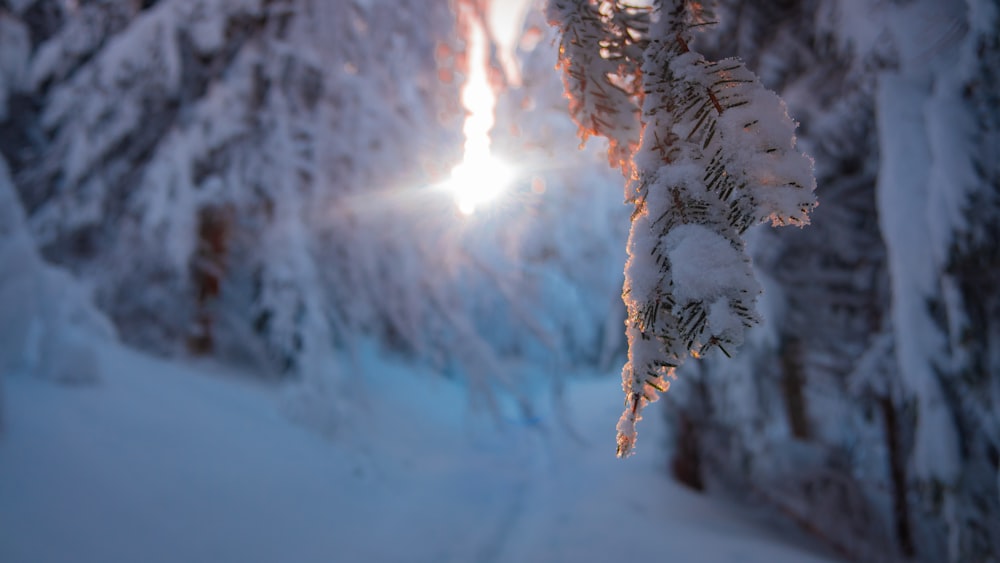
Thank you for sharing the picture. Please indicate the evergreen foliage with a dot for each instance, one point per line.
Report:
(717, 156)
(600, 52)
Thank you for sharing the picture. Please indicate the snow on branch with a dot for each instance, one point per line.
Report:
(717, 155)
(599, 53)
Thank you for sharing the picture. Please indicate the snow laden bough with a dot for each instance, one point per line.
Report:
(717, 155)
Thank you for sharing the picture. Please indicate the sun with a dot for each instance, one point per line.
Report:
(481, 177)
(478, 180)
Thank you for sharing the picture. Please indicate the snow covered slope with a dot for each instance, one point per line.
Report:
(172, 462)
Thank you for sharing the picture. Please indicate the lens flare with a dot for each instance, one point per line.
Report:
(477, 181)
(480, 177)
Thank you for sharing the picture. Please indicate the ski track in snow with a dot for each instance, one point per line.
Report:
(163, 462)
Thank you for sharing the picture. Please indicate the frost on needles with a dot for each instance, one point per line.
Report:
(716, 156)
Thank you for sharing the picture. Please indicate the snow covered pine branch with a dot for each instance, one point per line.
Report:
(716, 156)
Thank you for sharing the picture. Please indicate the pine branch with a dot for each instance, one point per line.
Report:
(716, 156)
(601, 44)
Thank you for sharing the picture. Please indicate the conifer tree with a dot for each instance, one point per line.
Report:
(716, 156)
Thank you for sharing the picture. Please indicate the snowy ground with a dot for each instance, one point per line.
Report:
(174, 463)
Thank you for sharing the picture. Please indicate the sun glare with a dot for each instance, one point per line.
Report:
(480, 177)
(477, 181)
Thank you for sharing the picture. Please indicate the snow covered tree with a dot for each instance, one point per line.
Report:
(48, 324)
(803, 420)
(818, 417)
(253, 181)
(937, 192)
(717, 156)
(187, 157)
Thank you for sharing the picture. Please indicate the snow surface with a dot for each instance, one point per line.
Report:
(174, 462)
